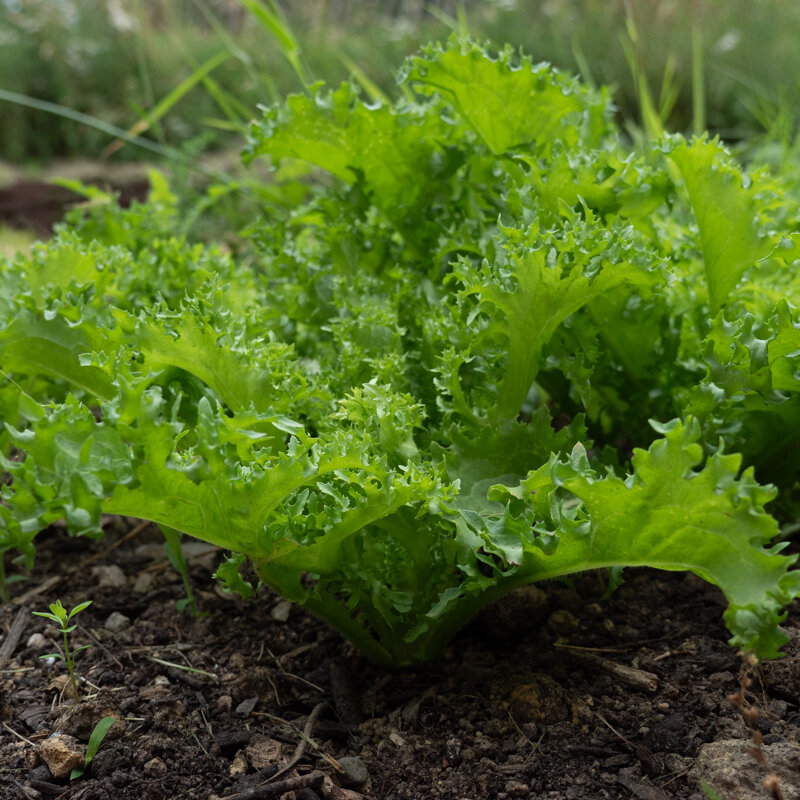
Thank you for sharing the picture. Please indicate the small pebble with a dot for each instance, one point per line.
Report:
(281, 611)
(246, 706)
(117, 621)
(109, 577)
(396, 739)
(36, 641)
(144, 583)
(355, 773)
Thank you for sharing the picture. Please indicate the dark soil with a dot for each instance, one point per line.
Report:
(39, 205)
(563, 695)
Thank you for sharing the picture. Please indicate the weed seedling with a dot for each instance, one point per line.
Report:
(59, 615)
(95, 740)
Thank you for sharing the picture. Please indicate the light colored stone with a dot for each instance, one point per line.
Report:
(144, 583)
(396, 739)
(281, 611)
(36, 641)
(355, 772)
(62, 754)
(732, 772)
(109, 577)
(117, 621)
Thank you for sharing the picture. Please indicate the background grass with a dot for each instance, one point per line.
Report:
(732, 65)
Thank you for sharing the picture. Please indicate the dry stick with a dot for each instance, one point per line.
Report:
(43, 587)
(284, 674)
(135, 531)
(281, 787)
(305, 738)
(635, 678)
(14, 634)
(18, 735)
(29, 793)
(85, 632)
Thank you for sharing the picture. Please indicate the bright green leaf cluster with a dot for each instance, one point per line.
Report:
(431, 378)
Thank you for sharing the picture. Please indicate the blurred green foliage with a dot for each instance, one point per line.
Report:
(117, 59)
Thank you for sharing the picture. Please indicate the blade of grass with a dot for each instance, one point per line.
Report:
(174, 551)
(373, 91)
(698, 83)
(670, 89)
(164, 151)
(463, 25)
(443, 17)
(237, 112)
(583, 64)
(270, 18)
(244, 58)
(183, 667)
(170, 99)
(141, 55)
(92, 122)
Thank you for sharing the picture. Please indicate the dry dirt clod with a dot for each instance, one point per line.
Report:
(155, 768)
(732, 772)
(62, 754)
(538, 698)
(264, 752)
(238, 766)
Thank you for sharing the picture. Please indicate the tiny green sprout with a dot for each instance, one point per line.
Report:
(708, 791)
(95, 740)
(59, 615)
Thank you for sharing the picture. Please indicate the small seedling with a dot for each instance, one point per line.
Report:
(59, 615)
(708, 791)
(174, 551)
(95, 740)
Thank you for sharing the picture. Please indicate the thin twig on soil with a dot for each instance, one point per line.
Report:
(281, 787)
(145, 648)
(635, 678)
(615, 731)
(99, 644)
(135, 531)
(642, 790)
(298, 651)
(286, 674)
(42, 588)
(18, 735)
(183, 667)
(562, 646)
(25, 791)
(305, 739)
(14, 635)
(159, 565)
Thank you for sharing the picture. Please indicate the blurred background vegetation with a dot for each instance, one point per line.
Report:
(187, 74)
